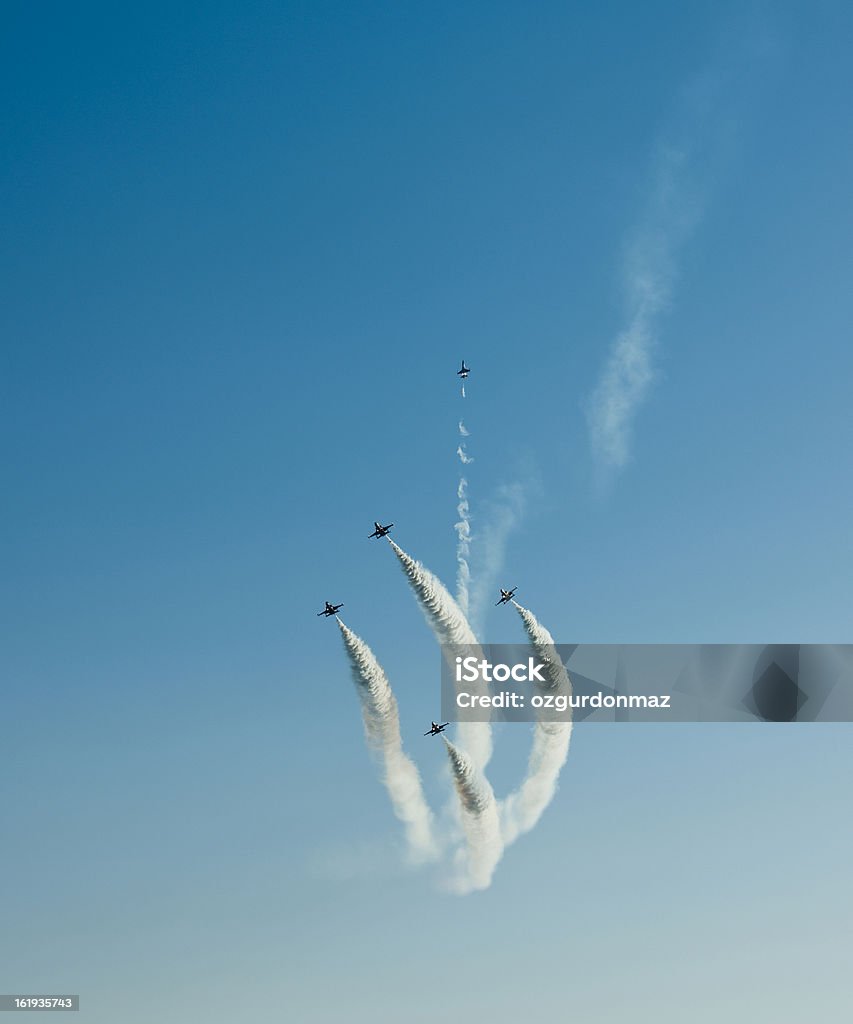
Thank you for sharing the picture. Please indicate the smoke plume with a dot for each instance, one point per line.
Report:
(450, 627)
(480, 821)
(382, 728)
(523, 808)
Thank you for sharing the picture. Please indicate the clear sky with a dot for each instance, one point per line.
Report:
(244, 248)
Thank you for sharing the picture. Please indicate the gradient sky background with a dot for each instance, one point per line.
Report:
(244, 248)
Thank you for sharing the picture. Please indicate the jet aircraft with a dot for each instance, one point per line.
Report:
(463, 373)
(380, 531)
(506, 595)
(330, 609)
(435, 729)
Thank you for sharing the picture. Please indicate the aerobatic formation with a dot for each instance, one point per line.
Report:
(483, 825)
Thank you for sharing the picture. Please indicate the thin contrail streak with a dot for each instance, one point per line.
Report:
(686, 159)
(463, 546)
(463, 531)
(480, 821)
(523, 808)
(382, 728)
(451, 628)
(497, 522)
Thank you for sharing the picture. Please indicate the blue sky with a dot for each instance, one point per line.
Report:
(244, 248)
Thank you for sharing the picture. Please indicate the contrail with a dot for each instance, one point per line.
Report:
(523, 808)
(649, 273)
(480, 821)
(463, 530)
(382, 727)
(463, 546)
(442, 613)
(450, 627)
(497, 522)
(687, 157)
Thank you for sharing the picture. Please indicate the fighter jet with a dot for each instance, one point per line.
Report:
(463, 373)
(330, 609)
(380, 531)
(506, 595)
(435, 729)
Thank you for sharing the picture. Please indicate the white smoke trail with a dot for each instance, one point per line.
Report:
(450, 627)
(690, 152)
(480, 820)
(463, 530)
(497, 520)
(382, 727)
(442, 613)
(523, 808)
(463, 546)
(649, 273)
(463, 390)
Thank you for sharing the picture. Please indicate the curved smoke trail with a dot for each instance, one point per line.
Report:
(382, 727)
(480, 820)
(450, 627)
(523, 808)
(442, 613)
